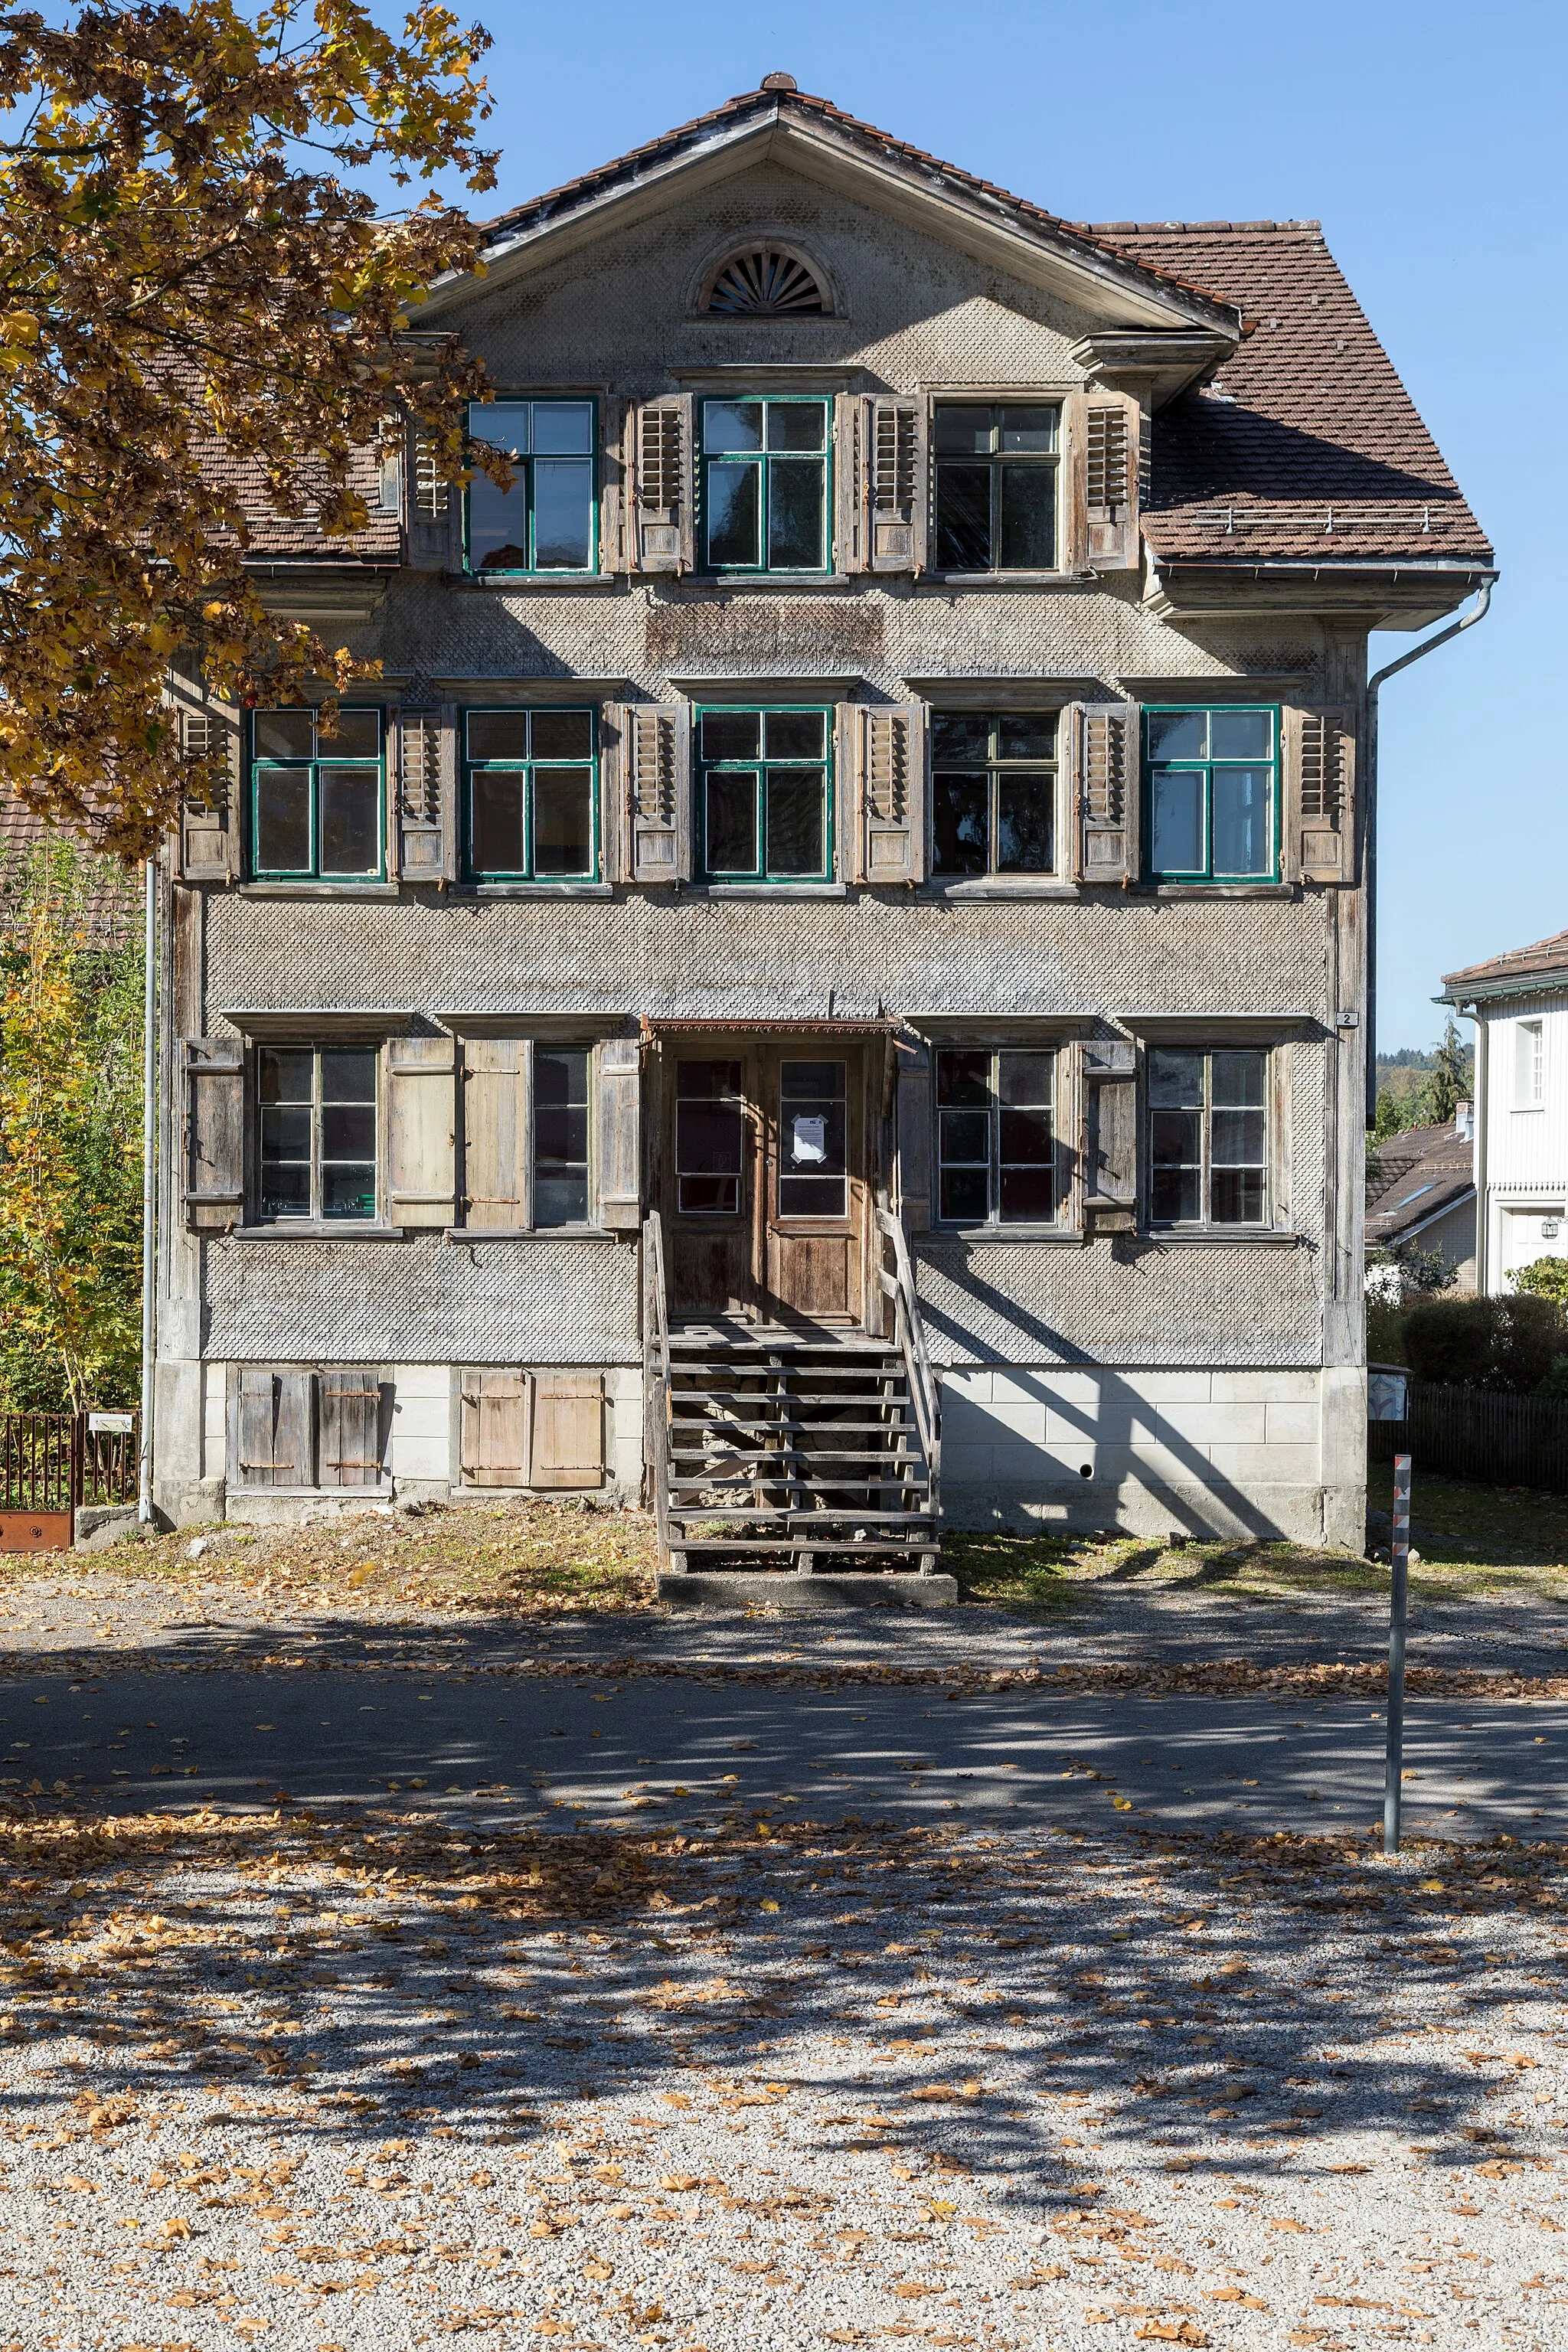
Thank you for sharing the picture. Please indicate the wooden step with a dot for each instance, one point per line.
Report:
(762, 1514)
(776, 1543)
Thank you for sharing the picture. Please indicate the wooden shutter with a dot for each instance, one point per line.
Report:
(850, 512)
(1105, 760)
(1109, 481)
(421, 1125)
(495, 1133)
(434, 508)
(214, 1190)
(349, 1448)
(663, 482)
(495, 1429)
(272, 1429)
(209, 819)
(615, 472)
(1108, 1071)
(656, 761)
(1319, 796)
(889, 789)
(426, 848)
(916, 1136)
(895, 499)
(568, 1433)
(618, 1139)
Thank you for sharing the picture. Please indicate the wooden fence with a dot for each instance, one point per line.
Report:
(1507, 1441)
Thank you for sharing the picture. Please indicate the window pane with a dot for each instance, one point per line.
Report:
(709, 1138)
(1023, 1078)
(562, 514)
(962, 429)
(963, 1079)
(730, 734)
(1024, 1137)
(358, 736)
(1028, 428)
(709, 1196)
(1028, 519)
(731, 833)
(1242, 798)
(348, 1130)
(285, 1187)
(707, 1081)
(498, 525)
(811, 1196)
(960, 738)
(348, 1189)
(284, 1077)
(560, 1132)
(348, 1077)
(731, 426)
(1235, 1139)
(1176, 1078)
(734, 508)
(1176, 1137)
(283, 820)
(797, 809)
(966, 1139)
(1178, 734)
(797, 498)
(285, 734)
(562, 820)
(504, 424)
(496, 843)
(794, 734)
(965, 1195)
(964, 518)
(498, 734)
(559, 1135)
(1237, 1196)
(563, 734)
(1028, 736)
(563, 428)
(1241, 734)
(1029, 1194)
(1023, 811)
(797, 425)
(1236, 1078)
(812, 1179)
(560, 1198)
(811, 1082)
(1178, 844)
(286, 1130)
(960, 824)
(351, 820)
(1173, 1196)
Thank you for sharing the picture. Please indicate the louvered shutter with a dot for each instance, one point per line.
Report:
(1105, 766)
(435, 508)
(1109, 1074)
(209, 818)
(272, 1429)
(421, 1122)
(1109, 481)
(426, 843)
(618, 1139)
(1319, 797)
(568, 1431)
(916, 1137)
(349, 1447)
(890, 779)
(663, 482)
(214, 1189)
(656, 740)
(895, 474)
(495, 1133)
(495, 1429)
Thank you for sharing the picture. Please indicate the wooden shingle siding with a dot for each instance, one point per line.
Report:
(214, 1188)
(272, 1429)
(350, 1446)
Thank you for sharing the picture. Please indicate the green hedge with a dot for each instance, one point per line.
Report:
(1508, 1344)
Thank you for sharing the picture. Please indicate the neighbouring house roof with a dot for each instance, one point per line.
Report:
(1519, 971)
(114, 902)
(1423, 1173)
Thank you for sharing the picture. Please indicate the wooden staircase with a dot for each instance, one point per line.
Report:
(792, 1451)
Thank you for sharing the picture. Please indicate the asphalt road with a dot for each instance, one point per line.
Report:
(513, 1747)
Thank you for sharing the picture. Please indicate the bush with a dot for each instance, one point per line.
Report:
(1555, 1384)
(1487, 1343)
(1385, 1332)
(1547, 1278)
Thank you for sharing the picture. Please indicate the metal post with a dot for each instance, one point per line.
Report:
(149, 1187)
(1399, 1551)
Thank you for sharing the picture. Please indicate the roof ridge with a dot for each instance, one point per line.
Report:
(1200, 228)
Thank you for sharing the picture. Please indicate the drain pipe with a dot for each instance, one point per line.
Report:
(149, 1184)
(1428, 646)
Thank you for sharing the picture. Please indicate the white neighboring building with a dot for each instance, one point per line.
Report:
(1519, 1002)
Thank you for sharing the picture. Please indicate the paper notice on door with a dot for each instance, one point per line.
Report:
(809, 1139)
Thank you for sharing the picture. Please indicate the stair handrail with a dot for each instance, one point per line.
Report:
(655, 1377)
(924, 1392)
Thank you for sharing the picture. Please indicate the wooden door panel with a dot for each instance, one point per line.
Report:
(710, 1273)
(810, 1273)
(812, 1262)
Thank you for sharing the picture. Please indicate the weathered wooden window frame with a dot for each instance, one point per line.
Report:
(701, 767)
(523, 480)
(994, 402)
(996, 769)
(313, 873)
(525, 768)
(314, 1221)
(1207, 1223)
(1206, 874)
(762, 460)
(994, 1224)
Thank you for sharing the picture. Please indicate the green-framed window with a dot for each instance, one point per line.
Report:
(1212, 777)
(1208, 1137)
(530, 801)
(316, 1125)
(317, 801)
(764, 794)
(993, 791)
(997, 1154)
(548, 520)
(767, 484)
(997, 491)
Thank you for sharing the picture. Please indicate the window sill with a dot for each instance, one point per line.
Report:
(534, 584)
(705, 585)
(310, 885)
(304, 1229)
(997, 885)
(771, 890)
(972, 1233)
(533, 890)
(1223, 889)
(942, 579)
(466, 1233)
(1264, 1237)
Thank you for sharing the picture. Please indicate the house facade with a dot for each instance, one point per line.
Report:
(1421, 1196)
(851, 880)
(1519, 1002)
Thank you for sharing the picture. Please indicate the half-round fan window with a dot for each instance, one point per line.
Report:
(764, 281)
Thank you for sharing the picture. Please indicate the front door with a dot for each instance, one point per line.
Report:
(764, 1196)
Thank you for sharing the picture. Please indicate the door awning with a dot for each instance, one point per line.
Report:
(882, 1025)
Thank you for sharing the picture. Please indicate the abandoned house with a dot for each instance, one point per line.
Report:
(834, 955)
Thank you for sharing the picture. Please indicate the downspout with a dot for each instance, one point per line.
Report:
(149, 1184)
(1428, 646)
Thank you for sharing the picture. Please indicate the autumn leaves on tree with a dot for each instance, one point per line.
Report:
(185, 276)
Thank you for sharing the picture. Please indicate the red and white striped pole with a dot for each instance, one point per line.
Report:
(1399, 1553)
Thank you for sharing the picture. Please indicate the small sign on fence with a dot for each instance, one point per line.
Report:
(112, 1425)
(1386, 1387)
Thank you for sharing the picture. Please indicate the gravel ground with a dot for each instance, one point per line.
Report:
(368, 2079)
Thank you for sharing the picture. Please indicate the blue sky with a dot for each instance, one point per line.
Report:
(1428, 139)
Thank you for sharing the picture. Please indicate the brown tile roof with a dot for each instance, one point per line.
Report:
(1307, 445)
(1500, 974)
(275, 539)
(1424, 1172)
(114, 902)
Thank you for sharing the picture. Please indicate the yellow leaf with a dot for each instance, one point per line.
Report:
(1122, 1804)
(770, 1904)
